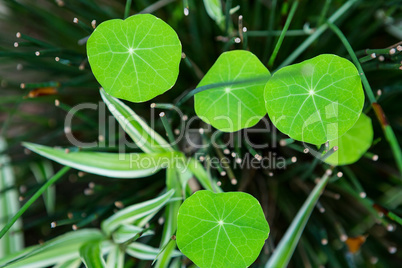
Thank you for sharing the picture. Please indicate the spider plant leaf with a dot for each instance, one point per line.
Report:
(133, 165)
(58, 250)
(42, 171)
(126, 232)
(147, 139)
(145, 252)
(91, 256)
(13, 240)
(135, 212)
(288, 243)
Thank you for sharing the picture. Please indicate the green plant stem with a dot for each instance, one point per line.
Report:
(285, 29)
(302, 47)
(270, 28)
(276, 33)
(352, 54)
(324, 12)
(387, 129)
(34, 40)
(287, 245)
(155, 6)
(216, 85)
(329, 153)
(169, 131)
(370, 51)
(348, 172)
(42, 189)
(127, 9)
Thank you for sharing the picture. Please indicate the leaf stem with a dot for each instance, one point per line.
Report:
(42, 189)
(282, 36)
(287, 245)
(324, 12)
(277, 33)
(169, 131)
(302, 47)
(387, 129)
(127, 9)
(217, 85)
(329, 153)
(270, 28)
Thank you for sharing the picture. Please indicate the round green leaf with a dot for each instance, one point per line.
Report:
(233, 107)
(221, 230)
(135, 59)
(353, 144)
(317, 100)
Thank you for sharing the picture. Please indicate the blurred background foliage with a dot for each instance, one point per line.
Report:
(47, 65)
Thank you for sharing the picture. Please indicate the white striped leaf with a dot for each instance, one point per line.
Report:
(13, 240)
(170, 226)
(42, 171)
(74, 263)
(58, 250)
(145, 137)
(202, 176)
(133, 165)
(126, 232)
(144, 252)
(91, 256)
(135, 212)
(115, 259)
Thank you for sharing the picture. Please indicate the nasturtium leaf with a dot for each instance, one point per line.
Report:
(353, 144)
(135, 59)
(316, 100)
(238, 105)
(221, 230)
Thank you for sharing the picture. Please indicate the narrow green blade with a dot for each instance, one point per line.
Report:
(170, 226)
(42, 171)
(145, 137)
(202, 176)
(59, 250)
(12, 241)
(126, 232)
(113, 165)
(74, 263)
(91, 256)
(288, 243)
(144, 252)
(135, 212)
(115, 259)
